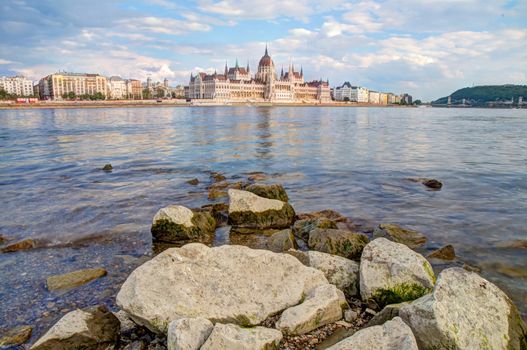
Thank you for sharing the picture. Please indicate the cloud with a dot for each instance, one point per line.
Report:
(2, 61)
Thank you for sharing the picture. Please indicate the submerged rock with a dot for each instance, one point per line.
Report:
(282, 241)
(24, 244)
(251, 211)
(108, 167)
(444, 253)
(430, 183)
(2, 239)
(91, 328)
(74, 278)
(193, 182)
(464, 312)
(217, 177)
(393, 335)
(514, 244)
(391, 273)
(15, 336)
(188, 333)
(302, 228)
(338, 242)
(322, 306)
(233, 284)
(233, 337)
(328, 214)
(341, 272)
(411, 238)
(219, 211)
(176, 223)
(274, 191)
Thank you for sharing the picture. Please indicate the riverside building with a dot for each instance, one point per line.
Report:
(238, 84)
(55, 86)
(19, 86)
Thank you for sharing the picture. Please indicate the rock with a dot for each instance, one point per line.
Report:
(351, 315)
(274, 191)
(15, 336)
(323, 305)
(341, 272)
(249, 210)
(2, 239)
(91, 328)
(127, 325)
(463, 312)
(323, 214)
(215, 194)
(444, 253)
(233, 337)
(217, 177)
(514, 244)
(176, 223)
(386, 314)
(24, 244)
(302, 228)
(338, 242)
(229, 284)
(188, 333)
(391, 272)
(411, 238)
(257, 176)
(108, 167)
(393, 335)
(282, 241)
(219, 211)
(430, 183)
(193, 182)
(74, 278)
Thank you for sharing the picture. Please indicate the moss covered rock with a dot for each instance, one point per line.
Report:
(464, 312)
(176, 223)
(282, 241)
(444, 253)
(411, 238)
(24, 244)
(251, 211)
(274, 191)
(74, 278)
(15, 336)
(391, 272)
(345, 243)
(302, 228)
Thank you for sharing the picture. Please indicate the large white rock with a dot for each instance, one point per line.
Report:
(247, 201)
(322, 306)
(393, 335)
(177, 214)
(229, 284)
(233, 337)
(176, 223)
(188, 333)
(90, 328)
(464, 312)
(386, 265)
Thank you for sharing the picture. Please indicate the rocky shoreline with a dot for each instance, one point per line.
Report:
(320, 283)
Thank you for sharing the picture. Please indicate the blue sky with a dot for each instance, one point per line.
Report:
(426, 48)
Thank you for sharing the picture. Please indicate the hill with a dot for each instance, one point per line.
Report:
(487, 94)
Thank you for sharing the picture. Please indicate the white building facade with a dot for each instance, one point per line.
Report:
(19, 86)
(55, 86)
(117, 88)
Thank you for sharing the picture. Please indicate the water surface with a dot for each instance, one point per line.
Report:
(354, 160)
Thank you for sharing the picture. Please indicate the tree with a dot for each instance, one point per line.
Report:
(71, 95)
(147, 94)
(417, 102)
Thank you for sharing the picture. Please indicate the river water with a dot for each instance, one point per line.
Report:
(354, 160)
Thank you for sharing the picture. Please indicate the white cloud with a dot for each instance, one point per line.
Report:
(2, 61)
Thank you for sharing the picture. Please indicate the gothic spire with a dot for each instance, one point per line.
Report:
(248, 68)
(237, 63)
(266, 54)
(301, 71)
(226, 69)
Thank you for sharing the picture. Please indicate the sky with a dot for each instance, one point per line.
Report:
(426, 48)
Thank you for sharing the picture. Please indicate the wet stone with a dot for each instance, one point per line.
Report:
(396, 233)
(193, 182)
(74, 278)
(444, 253)
(20, 245)
(107, 167)
(15, 336)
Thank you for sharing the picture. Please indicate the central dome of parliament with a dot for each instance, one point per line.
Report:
(266, 60)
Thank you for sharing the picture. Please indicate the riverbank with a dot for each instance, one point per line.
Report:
(177, 103)
(320, 282)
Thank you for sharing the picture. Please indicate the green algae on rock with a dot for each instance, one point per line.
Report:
(176, 223)
(345, 243)
(74, 278)
(273, 191)
(15, 336)
(24, 244)
(399, 293)
(249, 210)
(302, 228)
(282, 241)
(444, 253)
(396, 233)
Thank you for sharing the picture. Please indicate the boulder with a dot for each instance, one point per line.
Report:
(107, 167)
(411, 238)
(226, 284)
(233, 337)
(341, 272)
(387, 313)
(328, 214)
(274, 191)
(219, 211)
(91, 328)
(188, 333)
(393, 335)
(302, 228)
(193, 182)
(323, 305)
(282, 241)
(176, 223)
(24, 244)
(345, 243)
(444, 253)
(15, 336)
(391, 272)
(74, 278)
(463, 312)
(430, 183)
(251, 211)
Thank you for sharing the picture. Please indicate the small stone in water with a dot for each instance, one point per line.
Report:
(15, 336)
(74, 278)
(193, 182)
(107, 167)
(20, 245)
(445, 253)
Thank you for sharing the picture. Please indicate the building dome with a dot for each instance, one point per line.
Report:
(266, 60)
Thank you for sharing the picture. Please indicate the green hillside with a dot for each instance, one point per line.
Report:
(480, 95)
